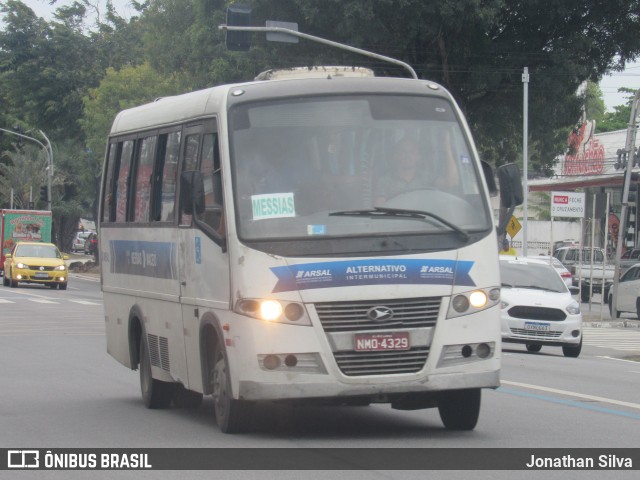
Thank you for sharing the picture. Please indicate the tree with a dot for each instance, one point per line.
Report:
(24, 175)
(619, 118)
(118, 90)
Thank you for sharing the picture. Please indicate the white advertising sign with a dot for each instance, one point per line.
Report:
(567, 204)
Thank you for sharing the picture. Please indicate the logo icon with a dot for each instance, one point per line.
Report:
(23, 459)
(380, 314)
(41, 269)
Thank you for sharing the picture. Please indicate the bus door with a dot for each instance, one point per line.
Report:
(203, 259)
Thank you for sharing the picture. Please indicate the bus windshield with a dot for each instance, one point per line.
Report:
(330, 167)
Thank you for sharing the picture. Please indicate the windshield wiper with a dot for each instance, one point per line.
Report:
(537, 287)
(384, 212)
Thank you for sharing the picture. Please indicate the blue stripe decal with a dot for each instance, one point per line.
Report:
(571, 403)
(372, 272)
(147, 259)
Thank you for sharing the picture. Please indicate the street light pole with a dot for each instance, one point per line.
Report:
(49, 153)
(50, 179)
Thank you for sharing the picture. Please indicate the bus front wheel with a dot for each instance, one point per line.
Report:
(232, 416)
(460, 409)
(155, 393)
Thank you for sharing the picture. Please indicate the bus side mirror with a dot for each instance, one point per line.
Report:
(510, 185)
(192, 192)
(238, 16)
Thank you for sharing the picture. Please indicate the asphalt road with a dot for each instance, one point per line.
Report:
(61, 389)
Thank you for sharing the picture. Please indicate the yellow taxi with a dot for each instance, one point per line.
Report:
(35, 262)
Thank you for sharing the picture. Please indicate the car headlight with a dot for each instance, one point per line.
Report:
(573, 308)
(60, 268)
(271, 310)
(21, 265)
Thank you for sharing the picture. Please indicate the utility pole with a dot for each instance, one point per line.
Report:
(525, 156)
(622, 231)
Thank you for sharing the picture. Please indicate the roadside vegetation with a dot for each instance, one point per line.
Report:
(69, 76)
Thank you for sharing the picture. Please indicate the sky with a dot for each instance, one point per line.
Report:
(609, 85)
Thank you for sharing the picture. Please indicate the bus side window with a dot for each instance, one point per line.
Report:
(142, 188)
(122, 185)
(212, 179)
(191, 150)
(108, 204)
(165, 177)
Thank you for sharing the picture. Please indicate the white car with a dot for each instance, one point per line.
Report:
(628, 293)
(78, 241)
(537, 308)
(558, 266)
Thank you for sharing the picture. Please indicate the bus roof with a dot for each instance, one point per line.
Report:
(177, 109)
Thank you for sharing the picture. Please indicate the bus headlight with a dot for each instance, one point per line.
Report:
(473, 301)
(271, 310)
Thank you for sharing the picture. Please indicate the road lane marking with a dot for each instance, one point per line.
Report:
(3, 300)
(570, 403)
(41, 300)
(85, 302)
(591, 398)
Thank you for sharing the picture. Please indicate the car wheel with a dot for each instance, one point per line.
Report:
(533, 348)
(638, 307)
(5, 281)
(460, 409)
(12, 283)
(584, 294)
(155, 393)
(52, 286)
(611, 312)
(572, 352)
(62, 286)
(232, 415)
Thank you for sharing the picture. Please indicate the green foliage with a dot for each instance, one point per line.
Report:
(118, 90)
(619, 118)
(70, 79)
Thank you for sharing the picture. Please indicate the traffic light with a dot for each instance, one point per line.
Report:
(43, 194)
(238, 16)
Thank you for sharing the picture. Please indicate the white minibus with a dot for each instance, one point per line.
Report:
(302, 240)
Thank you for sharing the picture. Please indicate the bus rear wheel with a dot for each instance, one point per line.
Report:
(232, 416)
(155, 393)
(460, 409)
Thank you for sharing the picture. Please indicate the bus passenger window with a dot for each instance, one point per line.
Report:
(122, 186)
(169, 174)
(144, 170)
(211, 174)
(191, 150)
(108, 203)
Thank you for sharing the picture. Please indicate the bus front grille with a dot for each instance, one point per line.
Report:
(354, 316)
(381, 363)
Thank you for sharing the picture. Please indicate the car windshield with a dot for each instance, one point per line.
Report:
(516, 274)
(37, 251)
(316, 168)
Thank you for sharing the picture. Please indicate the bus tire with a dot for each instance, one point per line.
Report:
(232, 416)
(460, 409)
(155, 393)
